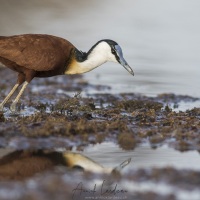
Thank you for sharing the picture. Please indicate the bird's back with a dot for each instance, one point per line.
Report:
(35, 51)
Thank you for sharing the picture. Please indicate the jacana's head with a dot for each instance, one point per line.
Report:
(111, 51)
(101, 52)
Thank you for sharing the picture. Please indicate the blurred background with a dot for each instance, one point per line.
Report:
(160, 38)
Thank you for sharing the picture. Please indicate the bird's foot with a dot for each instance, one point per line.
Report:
(13, 107)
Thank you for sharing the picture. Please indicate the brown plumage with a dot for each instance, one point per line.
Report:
(21, 164)
(37, 55)
(34, 55)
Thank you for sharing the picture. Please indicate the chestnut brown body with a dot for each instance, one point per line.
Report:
(35, 55)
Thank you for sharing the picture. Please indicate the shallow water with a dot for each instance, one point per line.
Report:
(160, 39)
(142, 156)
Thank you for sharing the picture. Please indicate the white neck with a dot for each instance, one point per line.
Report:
(99, 55)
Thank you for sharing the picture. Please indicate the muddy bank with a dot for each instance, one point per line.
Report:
(60, 112)
(127, 119)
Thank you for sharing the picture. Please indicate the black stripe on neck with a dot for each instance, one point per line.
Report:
(80, 56)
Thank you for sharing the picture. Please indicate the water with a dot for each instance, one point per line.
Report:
(160, 39)
(146, 157)
(143, 156)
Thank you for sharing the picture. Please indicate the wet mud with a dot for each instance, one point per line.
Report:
(60, 112)
(97, 117)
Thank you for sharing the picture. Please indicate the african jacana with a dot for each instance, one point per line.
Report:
(37, 55)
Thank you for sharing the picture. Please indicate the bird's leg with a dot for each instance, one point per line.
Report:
(13, 105)
(8, 96)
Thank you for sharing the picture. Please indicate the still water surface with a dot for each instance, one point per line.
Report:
(143, 157)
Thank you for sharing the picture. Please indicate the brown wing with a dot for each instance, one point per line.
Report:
(34, 51)
(25, 163)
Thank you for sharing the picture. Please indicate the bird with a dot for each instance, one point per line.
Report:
(43, 55)
(23, 164)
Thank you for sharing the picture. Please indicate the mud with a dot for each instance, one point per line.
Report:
(98, 117)
(142, 184)
(54, 113)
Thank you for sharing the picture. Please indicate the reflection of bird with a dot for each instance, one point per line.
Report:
(77, 160)
(36, 55)
(22, 164)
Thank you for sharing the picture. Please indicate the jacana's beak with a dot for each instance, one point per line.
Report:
(122, 61)
(126, 66)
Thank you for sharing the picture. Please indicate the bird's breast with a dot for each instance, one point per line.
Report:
(74, 68)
